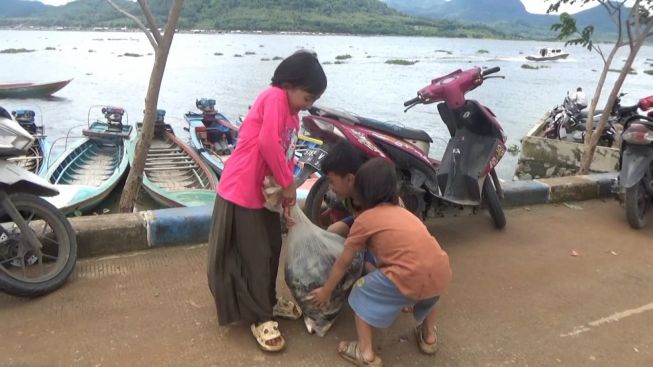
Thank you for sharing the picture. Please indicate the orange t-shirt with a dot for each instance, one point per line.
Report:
(405, 251)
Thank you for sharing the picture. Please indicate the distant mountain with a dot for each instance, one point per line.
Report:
(509, 16)
(329, 16)
(19, 8)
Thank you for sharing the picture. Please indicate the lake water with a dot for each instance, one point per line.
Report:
(365, 84)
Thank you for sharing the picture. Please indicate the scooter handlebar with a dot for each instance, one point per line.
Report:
(489, 71)
(412, 101)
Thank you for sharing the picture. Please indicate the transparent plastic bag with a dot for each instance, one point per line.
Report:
(311, 254)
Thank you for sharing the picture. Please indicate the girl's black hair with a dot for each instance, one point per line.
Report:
(376, 183)
(302, 70)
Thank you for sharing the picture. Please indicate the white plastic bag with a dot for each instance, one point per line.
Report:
(311, 254)
(272, 195)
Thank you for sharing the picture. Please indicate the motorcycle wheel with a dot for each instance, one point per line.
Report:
(31, 275)
(322, 206)
(637, 203)
(491, 200)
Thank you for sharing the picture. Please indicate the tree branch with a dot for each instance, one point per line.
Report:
(137, 21)
(145, 6)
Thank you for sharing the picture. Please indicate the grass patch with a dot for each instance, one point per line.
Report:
(218, 54)
(15, 51)
(534, 67)
(50, 49)
(343, 57)
(630, 72)
(339, 62)
(265, 59)
(250, 53)
(481, 51)
(238, 55)
(277, 58)
(130, 54)
(401, 62)
(327, 63)
(91, 51)
(649, 72)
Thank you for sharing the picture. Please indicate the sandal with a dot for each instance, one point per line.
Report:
(286, 309)
(266, 332)
(353, 354)
(425, 347)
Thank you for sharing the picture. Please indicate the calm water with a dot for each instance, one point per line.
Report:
(364, 85)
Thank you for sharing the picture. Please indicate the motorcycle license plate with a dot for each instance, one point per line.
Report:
(313, 157)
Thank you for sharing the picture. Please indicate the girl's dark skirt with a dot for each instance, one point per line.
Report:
(244, 248)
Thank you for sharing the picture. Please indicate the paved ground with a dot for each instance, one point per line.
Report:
(519, 297)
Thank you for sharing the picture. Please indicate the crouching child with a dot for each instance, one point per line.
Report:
(412, 268)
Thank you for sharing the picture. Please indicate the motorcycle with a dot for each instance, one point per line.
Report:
(38, 247)
(464, 179)
(635, 179)
(569, 122)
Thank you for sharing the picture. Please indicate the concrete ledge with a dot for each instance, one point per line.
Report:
(109, 234)
(178, 226)
(114, 233)
(518, 193)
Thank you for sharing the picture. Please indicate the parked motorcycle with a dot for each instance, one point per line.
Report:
(636, 172)
(569, 122)
(38, 247)
(465, 178)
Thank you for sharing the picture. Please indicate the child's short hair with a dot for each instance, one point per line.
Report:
(302, 70)
(376, 183)
(343, 158)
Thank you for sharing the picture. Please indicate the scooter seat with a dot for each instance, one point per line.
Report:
(395, 129)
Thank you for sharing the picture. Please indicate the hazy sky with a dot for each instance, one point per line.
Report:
(533, 6)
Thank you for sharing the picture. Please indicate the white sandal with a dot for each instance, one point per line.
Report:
(266, 332)
(286, 309)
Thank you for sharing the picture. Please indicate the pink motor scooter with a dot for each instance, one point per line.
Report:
(464, 179)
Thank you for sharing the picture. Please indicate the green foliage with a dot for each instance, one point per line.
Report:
(649, 72)
(567, 28)
(130, 54)
(343, 57)
(482, 51)
(533, 67)
(15, 51)
(401, 62)
(330, 16)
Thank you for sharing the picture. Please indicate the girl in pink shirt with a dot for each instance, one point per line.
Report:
(245, 238)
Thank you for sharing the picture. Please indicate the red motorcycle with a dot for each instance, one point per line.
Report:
(464, 179)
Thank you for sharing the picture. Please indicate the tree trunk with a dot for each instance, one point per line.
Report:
(590, 148)
(162, 50)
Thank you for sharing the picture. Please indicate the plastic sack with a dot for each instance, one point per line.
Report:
(272, 195)
(312, 252)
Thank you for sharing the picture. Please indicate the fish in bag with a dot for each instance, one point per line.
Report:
(312, 252)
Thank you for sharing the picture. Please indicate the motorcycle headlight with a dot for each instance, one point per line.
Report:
(9, 139)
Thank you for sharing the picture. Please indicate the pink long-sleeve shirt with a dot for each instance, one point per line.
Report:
(266, 146)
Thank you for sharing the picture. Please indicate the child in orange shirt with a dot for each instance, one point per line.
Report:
(412, 268)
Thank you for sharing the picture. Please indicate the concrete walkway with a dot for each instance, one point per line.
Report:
(563, 285)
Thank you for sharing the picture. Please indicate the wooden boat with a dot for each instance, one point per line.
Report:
(36, 159)
(87, 172)
(31, 90)
(199, 136)
(548, 54)
(174, 176)
(224, 130)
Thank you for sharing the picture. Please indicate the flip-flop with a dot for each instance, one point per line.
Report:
(353, 355)
(286, 309)
(265, 332)
(425, 347)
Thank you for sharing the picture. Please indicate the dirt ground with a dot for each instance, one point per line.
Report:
(562, 285)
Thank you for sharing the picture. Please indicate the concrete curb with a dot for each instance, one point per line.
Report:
(115, 233)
